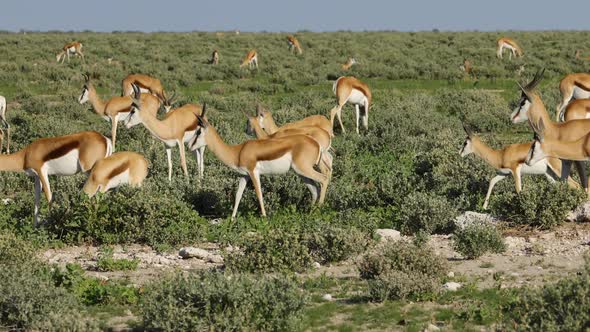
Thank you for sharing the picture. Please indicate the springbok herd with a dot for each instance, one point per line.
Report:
(303, 146)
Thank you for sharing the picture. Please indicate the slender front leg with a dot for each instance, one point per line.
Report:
(114, 123)
(517, 179)
(169, 157)
(37, 199)
(46, 187)
(358, 115)
(580, 167)
(566, 166)
(255, 176)
(202, 162)
(239, 192)
(493, 182)
(339, 115)
(182, 158)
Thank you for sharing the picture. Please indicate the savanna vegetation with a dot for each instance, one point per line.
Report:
(404, 173)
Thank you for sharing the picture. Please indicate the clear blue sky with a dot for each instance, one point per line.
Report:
(278, 15)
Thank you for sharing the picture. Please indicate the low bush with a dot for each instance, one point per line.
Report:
(400, 270)
(426, 212)
(214, 301)
(106, 262)
(476, 239)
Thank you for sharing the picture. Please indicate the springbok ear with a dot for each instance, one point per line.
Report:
(525, 92)
(259, 110)
(538, 77)
(86, 77)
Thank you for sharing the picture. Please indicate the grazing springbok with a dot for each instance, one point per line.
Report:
(115, 109)
(576, 110)
(4, 125)
(251, 59)
(510, 161)
(214, 58)
(176, 128)
(573, 86)
(294, 45)
(348, 64)
(267, 123)
(146, 84)
(268, 156)
(64, 155)
(320, 135)
(530, 107)
(73, 48)
(118, 169)
(580, 57)
(511, 45)
(348, 89)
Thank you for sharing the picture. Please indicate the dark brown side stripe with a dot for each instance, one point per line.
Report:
(118, 170)
(581, 86)
(62, 150)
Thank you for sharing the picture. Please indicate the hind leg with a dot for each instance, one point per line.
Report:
(580, 167)
(566, 96)
(308, 172)
(313, 188)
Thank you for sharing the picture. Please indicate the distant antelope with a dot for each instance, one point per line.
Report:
(573, 86)
(4, 125)
(511, 45)
(576, 110)
(214, 58)
(269, 156)
(580, 57)
(63, 155)
(251, 59)
(73, 48)
(119, 168)
(349, 63)
(348, 89)
(468, 69)
(267, 123)
(294, 44)
(146, 84)
(510, 161)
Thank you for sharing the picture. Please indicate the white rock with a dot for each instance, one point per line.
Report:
(191, 252)
(470, 217)
(431, 328)
(327, 297)
(217, 259)
(581, 213)
(316, 265)
(6, 201)
(388, 234)
(452, 286)
(451, 274)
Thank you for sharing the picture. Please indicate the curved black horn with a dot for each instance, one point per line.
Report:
(136, 90)
(538, 77)
(467, 130)
(86, 77)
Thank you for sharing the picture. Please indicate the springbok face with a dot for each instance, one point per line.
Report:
(134, 118)
(467, 147)
(250, 123)
(520, 113)
(84, 95)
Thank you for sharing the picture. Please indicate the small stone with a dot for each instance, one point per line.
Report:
(451, 274)
(451, 286)
(327, 297)
(217, 259)
(191, 252)
(431, 328)
(388, 234)
(316, 265)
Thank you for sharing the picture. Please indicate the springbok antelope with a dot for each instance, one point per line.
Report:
(510, 161)
(348, 89)
(580, 57)
(267, 123)
(573, 86)
(73, 48)
(176, 128)
(511, 45)
(530, 107)
(119, 168)
(115, 109)
(320, 135)
(468, 69)
(146, 84)
(251, 59)
(349, 63)
(576, 110)
(294, 45)
(64, 155)
(269, 156)
(5, 125)
(214, 58)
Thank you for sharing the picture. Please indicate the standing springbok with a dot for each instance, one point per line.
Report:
(251, 59)
(530, 107)
(214, 58)
(269, 156)
(73, 48)
(118, 169)
(576, 110)
(348, 64)
(468, 69)
(146, 84)
(176, 128)
(348, 89)
(267, 123)
(511, 45)
(294, 45)
(4, 125)
(573, 86)
(510, 161)
(115, 109)
(64, 155)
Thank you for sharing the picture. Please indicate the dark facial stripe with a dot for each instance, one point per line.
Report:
(61, 151)
(118, 170)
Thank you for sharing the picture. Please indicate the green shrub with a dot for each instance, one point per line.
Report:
(214, 301)
(541, 204)
(427, 212)
(400, 270)
(475, 239)
(331, 243)
(106, 262)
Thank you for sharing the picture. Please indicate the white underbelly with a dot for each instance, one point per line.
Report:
(188, 135)
(122, 116)
(509, 47)
(277, 166)
(68, 164)
(118, 180)
(357, 97)
(72, 50)
(538, 168)
(580, 93)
